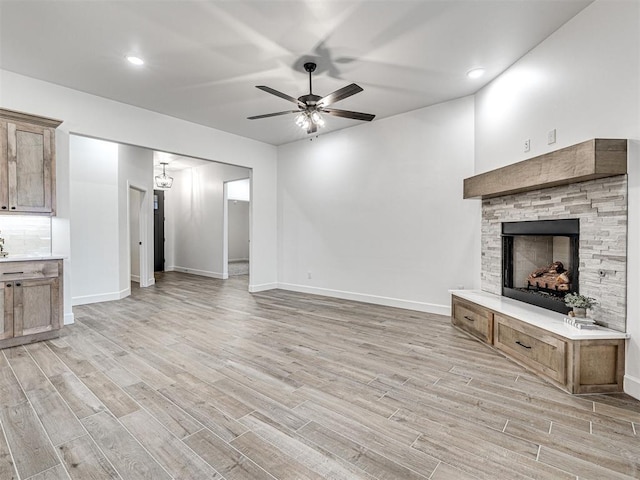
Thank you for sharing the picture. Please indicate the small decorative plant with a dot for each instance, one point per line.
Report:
(579, 301)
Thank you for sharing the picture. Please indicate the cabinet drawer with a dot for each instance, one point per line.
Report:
(532, 346)
(24, 270)
(473, 319)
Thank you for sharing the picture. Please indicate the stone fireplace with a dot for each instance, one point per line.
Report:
(600, 207)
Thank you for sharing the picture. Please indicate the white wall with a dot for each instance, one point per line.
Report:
(375, 212)
(101, 175)
(238, 223)
(94, 262)
(195, 204)
(94, 116)
(135, 169)
(584, 81)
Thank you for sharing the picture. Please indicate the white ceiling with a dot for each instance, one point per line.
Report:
(204, 58)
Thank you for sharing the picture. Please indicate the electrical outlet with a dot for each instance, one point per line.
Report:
(527, 145)
(551, 136)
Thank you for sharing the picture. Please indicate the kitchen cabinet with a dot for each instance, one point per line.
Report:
(31, 301)
(27, 163)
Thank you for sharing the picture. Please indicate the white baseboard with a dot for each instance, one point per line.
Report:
(69, 319)
(632, 386)
(262, 287)
(101, 297)
(374, 299)
(202, 273)
(135, 278)
(238, 260)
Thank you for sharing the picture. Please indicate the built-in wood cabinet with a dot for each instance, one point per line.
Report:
(532, 346)
(588, 363)
(30, 300)
(475, 320)
(27, 163)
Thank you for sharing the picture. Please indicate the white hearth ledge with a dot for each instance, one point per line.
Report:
(537, 316)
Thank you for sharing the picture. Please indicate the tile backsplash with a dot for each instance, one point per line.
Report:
(26, 234)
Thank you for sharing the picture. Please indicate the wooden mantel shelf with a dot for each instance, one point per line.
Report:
(597, 158)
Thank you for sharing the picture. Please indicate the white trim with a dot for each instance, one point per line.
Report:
(262, 287)
(143, 217)
(135, 278)
(632, 386)
(103, 297)
(231, 260)
(69, 319)
(374, 299)
(202, 273)
(225, 229)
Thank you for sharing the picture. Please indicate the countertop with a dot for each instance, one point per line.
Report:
(537, 316)
(30, 258)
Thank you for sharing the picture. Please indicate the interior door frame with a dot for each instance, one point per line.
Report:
(143, 217)
(225, 224)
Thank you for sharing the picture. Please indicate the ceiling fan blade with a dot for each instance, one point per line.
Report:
(281, 95)
(340, 94)
(367, 117)
(272, 114)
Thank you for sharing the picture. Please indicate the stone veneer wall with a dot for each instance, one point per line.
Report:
(601, 206)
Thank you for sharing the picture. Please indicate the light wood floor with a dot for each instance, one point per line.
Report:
(195, 378)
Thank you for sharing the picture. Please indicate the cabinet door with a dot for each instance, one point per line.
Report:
(29, 163)
(36, 306)
(474, 319)
(6, 310)
(532, 346)
(4, 172)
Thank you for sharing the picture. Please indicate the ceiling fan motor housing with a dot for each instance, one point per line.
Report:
(310, 100)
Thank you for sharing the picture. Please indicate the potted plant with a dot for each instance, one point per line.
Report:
(579, 303)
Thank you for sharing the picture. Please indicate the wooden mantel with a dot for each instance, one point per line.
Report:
(597, 158)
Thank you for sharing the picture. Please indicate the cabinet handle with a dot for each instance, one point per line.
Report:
(8, 285)
(12, 273)
(18, 284)
(523, 345)
(470, 319)
(4, 207)
(13, 208)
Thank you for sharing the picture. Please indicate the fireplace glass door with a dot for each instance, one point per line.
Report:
(540, 261)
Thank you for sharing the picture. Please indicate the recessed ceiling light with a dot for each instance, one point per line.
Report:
(134, 60)
(475, 73)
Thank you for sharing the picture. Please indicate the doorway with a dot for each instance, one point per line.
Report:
(158, 231)
(237, 224)
(138, 248)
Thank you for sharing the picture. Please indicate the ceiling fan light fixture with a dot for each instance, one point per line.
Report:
(316, 117)
(164, 180)
(300, 119)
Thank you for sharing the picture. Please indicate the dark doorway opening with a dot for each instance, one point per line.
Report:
(158, 230)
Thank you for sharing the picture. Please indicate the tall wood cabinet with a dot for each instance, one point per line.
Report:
(31, 304)
(31, 298)
(27, 163)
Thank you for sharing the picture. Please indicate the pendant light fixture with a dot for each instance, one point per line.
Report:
(164, 180)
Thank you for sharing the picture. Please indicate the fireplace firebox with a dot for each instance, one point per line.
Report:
(540, 261)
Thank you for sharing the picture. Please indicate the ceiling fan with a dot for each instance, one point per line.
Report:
(310, 107)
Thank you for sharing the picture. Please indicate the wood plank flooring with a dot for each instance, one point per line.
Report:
(194, 378)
